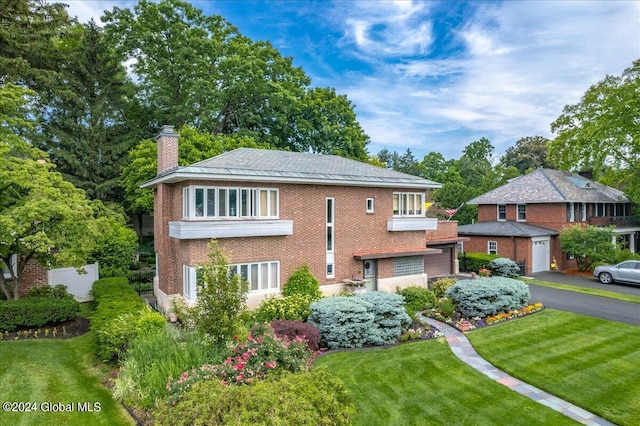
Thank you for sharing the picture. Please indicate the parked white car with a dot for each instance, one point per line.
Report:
(625, 272)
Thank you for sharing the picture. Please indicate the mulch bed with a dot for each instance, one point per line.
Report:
(61, 330)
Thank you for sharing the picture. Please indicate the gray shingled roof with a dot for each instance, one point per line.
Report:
(296, 167)
(551, 186)
(505, 229)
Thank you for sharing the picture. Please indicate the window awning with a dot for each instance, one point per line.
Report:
(385, 254)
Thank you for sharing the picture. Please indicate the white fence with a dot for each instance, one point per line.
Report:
(78, 284)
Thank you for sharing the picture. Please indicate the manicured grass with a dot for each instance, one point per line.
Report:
(590, 362)
(55, 371)
(424, 383)
(595, 291)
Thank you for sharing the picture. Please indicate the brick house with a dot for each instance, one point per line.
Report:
(33, 275)
(522, 219)
(273, 211)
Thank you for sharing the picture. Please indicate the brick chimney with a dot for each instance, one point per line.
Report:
(167, 142)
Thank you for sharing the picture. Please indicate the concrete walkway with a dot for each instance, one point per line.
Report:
(462, 348)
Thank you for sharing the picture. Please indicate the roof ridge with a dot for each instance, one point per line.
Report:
(552, 183)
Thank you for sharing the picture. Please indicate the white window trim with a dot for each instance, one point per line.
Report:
(370, 205)
(189, 203)
(189, 282)
(572, 212)
(273, 284)
(330, 228)
(403, 198)
(583, 217)
(524, 206)
(498, 212)
(489, 243)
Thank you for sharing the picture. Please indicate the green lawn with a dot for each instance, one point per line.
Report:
(590, 362)
(55, 371)
(424, 383)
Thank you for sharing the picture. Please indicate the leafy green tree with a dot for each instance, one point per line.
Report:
(87, 127)
(435, 167)
(221, 298)
(588, 245)
(452, 195)
(475, 163)
(29, 31)
(528, 154)
(602, 132)
(194, 146)
(198, 70)
(42, 216)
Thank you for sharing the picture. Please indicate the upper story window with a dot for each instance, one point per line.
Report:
(502, 212)
(571, 213)
(522, 212)
(223, 202)
(370, 206)
(408, 204)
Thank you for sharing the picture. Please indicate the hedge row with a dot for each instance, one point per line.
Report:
(473, 262)
(120, 316)
(36, 312)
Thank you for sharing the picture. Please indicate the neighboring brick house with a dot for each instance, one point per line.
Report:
(522, 219)
(273, 211)
(33, 275)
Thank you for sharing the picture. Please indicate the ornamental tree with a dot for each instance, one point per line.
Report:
(588, 245)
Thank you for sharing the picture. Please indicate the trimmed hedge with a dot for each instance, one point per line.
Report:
(315, 398)
(473, 262)
(36, 312)
(120, 316)
(488, 296)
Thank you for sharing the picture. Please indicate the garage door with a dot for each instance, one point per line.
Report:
(540, 252)
(438, 264)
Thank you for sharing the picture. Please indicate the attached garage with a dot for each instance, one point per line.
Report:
(540, 254)
(438, 264)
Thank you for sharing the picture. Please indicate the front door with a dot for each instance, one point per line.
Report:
(370, 270)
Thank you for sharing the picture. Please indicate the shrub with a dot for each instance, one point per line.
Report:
(57, 292)
(292, 307)
(116, 243)
(114, 297)
(473, 262)
(293, 329)
(141, 276)
(343, 322)
(152, 358)
(221, 298)
(441, 285)
(417, 299)
(314, 398)
(302, 282)
(390, 317)
(248, 362)
(504, 267)
(36, 312)
(123, 329)
(488, 296)
(446, 306)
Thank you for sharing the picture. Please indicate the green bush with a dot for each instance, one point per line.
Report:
(390, 317)
(488, 296)
(127, 326)
(417, 299)
(292, 307)
(57, 292)
(343, 322)
(446, 306)
(113, 297)
(261, 356)
(315, 398)
(473, 262)
(152, 359)
(36, 312)
(302, 282)
(441, 285)
(503, 267)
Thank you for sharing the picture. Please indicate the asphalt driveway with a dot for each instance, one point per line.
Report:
(586, 304)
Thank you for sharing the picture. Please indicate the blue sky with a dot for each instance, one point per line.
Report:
(434, 76)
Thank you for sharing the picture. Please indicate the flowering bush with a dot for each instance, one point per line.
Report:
(248, 362)
(503, 316)
(484, 272)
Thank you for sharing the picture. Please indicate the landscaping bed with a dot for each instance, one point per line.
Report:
(62, 330)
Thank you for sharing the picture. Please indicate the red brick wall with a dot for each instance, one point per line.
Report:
(355, 230)
(34, 275)
(516, 249)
